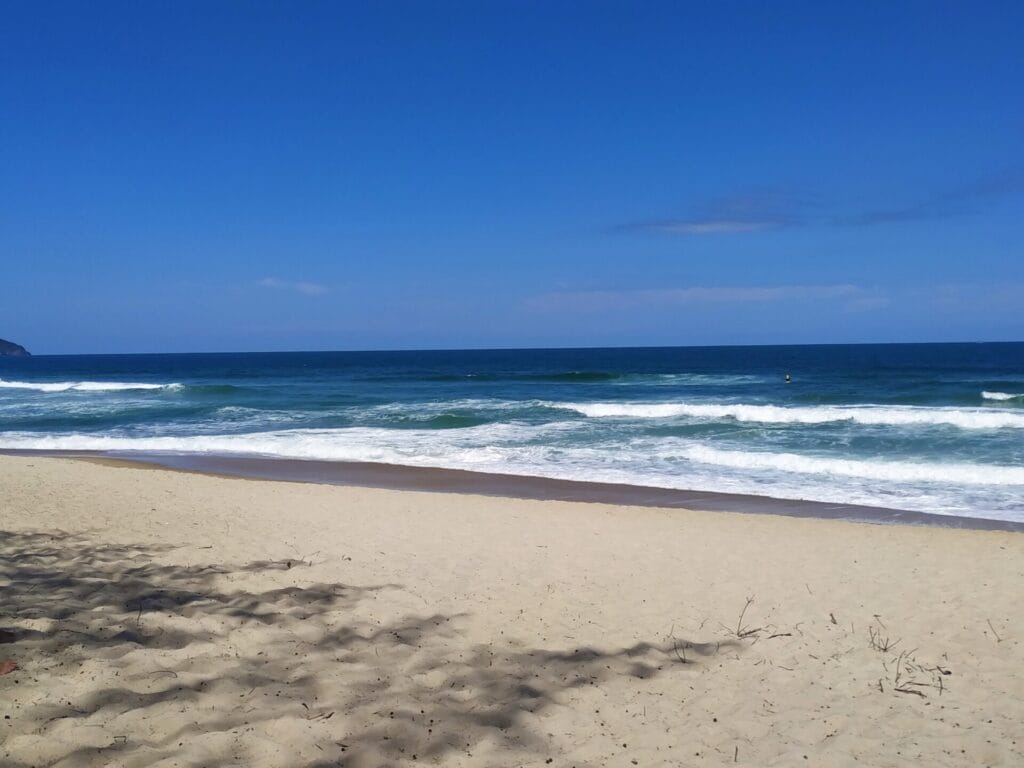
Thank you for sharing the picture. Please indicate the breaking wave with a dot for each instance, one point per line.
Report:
(1002, 396)
(896, 471)
(86, 386)
(964, 418)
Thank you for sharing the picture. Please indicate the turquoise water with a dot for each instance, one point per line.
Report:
(936, 427)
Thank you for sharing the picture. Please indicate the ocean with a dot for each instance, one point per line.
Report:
(928, 427)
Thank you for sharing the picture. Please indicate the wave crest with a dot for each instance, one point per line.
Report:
(963, 418)
(1002, 396)
(86, 386)
(898, 471)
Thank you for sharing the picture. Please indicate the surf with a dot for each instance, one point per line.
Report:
(86, 386)
(872, 415)
(1002, 396)
(867, 469)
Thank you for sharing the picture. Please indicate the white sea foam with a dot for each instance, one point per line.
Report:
(84, 386)
(1002, 396)
(420, 447)
(499, 444)
(894, 471)
(690, 379)
(541, 450)
(964, 418)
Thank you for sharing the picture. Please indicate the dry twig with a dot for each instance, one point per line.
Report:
(880, 642)
(998, 638)
(741, 631)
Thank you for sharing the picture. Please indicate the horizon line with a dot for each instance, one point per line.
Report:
(517, 348)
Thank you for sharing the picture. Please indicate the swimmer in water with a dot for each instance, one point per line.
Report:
(787, 378)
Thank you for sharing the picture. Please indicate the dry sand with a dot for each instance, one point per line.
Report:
(172, 619)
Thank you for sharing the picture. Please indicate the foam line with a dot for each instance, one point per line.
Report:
(83, 386)
(964, 418)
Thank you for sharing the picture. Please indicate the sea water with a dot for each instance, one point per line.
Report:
(928, 427)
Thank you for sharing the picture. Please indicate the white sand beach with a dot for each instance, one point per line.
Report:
(162, 618)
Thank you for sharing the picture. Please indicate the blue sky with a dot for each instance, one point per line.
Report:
(265, 176)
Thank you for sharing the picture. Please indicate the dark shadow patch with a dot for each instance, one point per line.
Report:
(221, 654)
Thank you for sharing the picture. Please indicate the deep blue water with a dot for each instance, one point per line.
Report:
(931, 427)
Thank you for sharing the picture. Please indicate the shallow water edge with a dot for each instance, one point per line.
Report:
(437, 480)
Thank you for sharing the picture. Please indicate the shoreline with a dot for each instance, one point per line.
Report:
(524, 487)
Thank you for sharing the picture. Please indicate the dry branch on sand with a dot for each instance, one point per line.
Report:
(909, 676)
(881, 641)
(742, 631)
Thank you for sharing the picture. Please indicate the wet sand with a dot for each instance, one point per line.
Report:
(406, 478)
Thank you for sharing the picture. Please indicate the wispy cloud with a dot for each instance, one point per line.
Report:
(959, 201)
(771, 209)
(855, 296)
(708, 226)
(756, 211)
(298, 286)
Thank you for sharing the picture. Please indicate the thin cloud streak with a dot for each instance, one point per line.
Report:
(964, 200)
(759, 210)
(693, 295)
(708, 226)
(299, 286)
(771, 210)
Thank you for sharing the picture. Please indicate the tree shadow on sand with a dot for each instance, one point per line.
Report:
(130, 660)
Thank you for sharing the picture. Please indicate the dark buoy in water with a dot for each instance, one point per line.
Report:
(787, 378)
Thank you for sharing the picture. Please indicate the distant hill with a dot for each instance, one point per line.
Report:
(12, 349)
